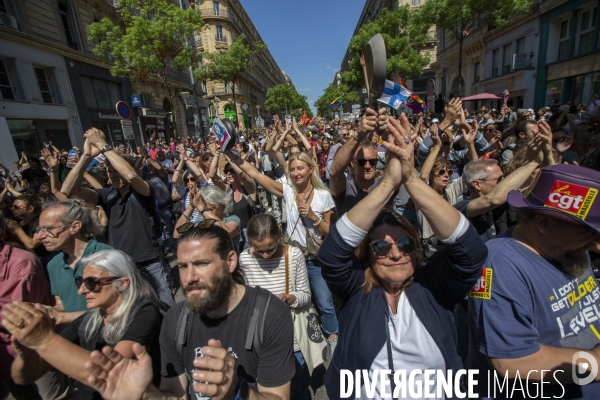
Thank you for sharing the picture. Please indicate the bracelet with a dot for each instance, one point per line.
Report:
(188, 218)
(355, 136)
(318, 223)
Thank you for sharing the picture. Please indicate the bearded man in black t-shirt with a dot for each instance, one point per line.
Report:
(214, 361)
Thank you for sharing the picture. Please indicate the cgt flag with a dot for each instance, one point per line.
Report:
(394, 94)
(223, 137)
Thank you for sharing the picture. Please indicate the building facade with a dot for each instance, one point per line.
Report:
(568, 66)
(370, 12)
(224, 21)
(52, 88)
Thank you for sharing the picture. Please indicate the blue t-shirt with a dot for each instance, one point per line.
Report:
(524, 300)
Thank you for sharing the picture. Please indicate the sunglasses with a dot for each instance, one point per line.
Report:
(382, 248)
(191, 180)
(206, 223)
(92, 283)
(229, 171)
(363, 161)
(443, 172)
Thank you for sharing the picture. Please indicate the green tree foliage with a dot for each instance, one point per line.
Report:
(462, 16)
(228, 65)
(402, 42)
(151, 40)
(329, 95)
(284, 97)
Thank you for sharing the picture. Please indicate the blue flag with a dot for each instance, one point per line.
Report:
(219, 129)
(394, 95)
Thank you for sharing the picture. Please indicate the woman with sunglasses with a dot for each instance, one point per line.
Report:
(397, 310)
(187, 176)
(121, 311)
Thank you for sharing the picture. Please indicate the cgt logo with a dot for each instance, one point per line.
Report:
(574, 199)
(590, 364)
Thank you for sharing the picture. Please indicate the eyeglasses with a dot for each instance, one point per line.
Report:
(13, 207)
(489, 130)
(363, 161)
(382, 248)
(48, 229)
(443, 172)
(205, 223)
(92, 283)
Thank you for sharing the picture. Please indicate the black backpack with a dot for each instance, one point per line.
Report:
(255, 330)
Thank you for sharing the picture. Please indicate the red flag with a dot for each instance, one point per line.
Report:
(303, 119)
(308, 121)
(401, 82)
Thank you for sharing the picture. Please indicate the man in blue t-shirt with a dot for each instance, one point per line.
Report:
(536, 307)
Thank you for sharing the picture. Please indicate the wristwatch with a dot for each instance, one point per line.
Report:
(205, 209)
(244, 391)
(107, 147)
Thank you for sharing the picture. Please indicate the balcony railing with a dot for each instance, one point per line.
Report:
(220, 38)
(209, 12)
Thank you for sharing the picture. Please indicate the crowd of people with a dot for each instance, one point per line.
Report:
(463, 239)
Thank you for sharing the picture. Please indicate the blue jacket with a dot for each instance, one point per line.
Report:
(440, 285)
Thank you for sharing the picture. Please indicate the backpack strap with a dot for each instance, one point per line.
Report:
(260, 304)
(180, 333)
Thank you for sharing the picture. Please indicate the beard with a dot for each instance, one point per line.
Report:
(214, 297)
(574, 263)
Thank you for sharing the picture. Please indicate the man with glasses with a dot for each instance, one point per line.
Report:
(133, 222)
(361, 155)
(64, 228)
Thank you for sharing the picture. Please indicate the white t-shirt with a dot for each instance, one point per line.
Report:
(321, 203)
(412, 348)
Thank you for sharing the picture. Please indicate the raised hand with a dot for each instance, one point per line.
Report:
(30, 326)
(565, 144)
(368, 123)
(96, 137)
(535, 150)
(453, 109)
(469, 136)
(435, 138)
(51, 160)
(89, 149)
(545, 135)
(217, 370)
(401, 145)
(118, 378)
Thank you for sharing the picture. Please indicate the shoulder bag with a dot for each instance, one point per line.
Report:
(306, 325)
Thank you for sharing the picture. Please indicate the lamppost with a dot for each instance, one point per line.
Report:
(217, 100)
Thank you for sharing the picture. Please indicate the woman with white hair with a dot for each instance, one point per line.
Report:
(214, 206)
(121, 311)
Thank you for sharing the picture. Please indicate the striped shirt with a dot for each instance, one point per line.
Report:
(270, 274)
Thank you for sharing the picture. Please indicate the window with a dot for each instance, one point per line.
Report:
(507, 58)
(220, 36)
(228, 87)
(8, 14)
(495, 57)
(100, 94)
(6, 90)
(416, 3)
(476, 76)
(68, 25)
(216, 8)
(563, 39)
(46, 86)
(586, 31)
(147, 101)
(520, 46)
(203, 87)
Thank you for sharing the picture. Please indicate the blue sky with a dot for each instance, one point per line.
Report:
(307, 38)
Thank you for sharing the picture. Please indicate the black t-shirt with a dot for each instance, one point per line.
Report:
(30, 173)
(483, 223)
(144, 329)
(130, 228)
(276, 364)
(242, 210)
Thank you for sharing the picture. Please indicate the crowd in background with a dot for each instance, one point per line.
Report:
(335, 218)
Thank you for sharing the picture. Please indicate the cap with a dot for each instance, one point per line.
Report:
(565, 192)
(241, 140)
(435, 121)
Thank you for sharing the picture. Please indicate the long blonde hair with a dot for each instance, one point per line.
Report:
(315, 180)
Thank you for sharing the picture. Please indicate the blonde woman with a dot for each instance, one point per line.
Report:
(309, 206)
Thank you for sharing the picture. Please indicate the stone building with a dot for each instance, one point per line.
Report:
(224, 21)
(52, 88)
